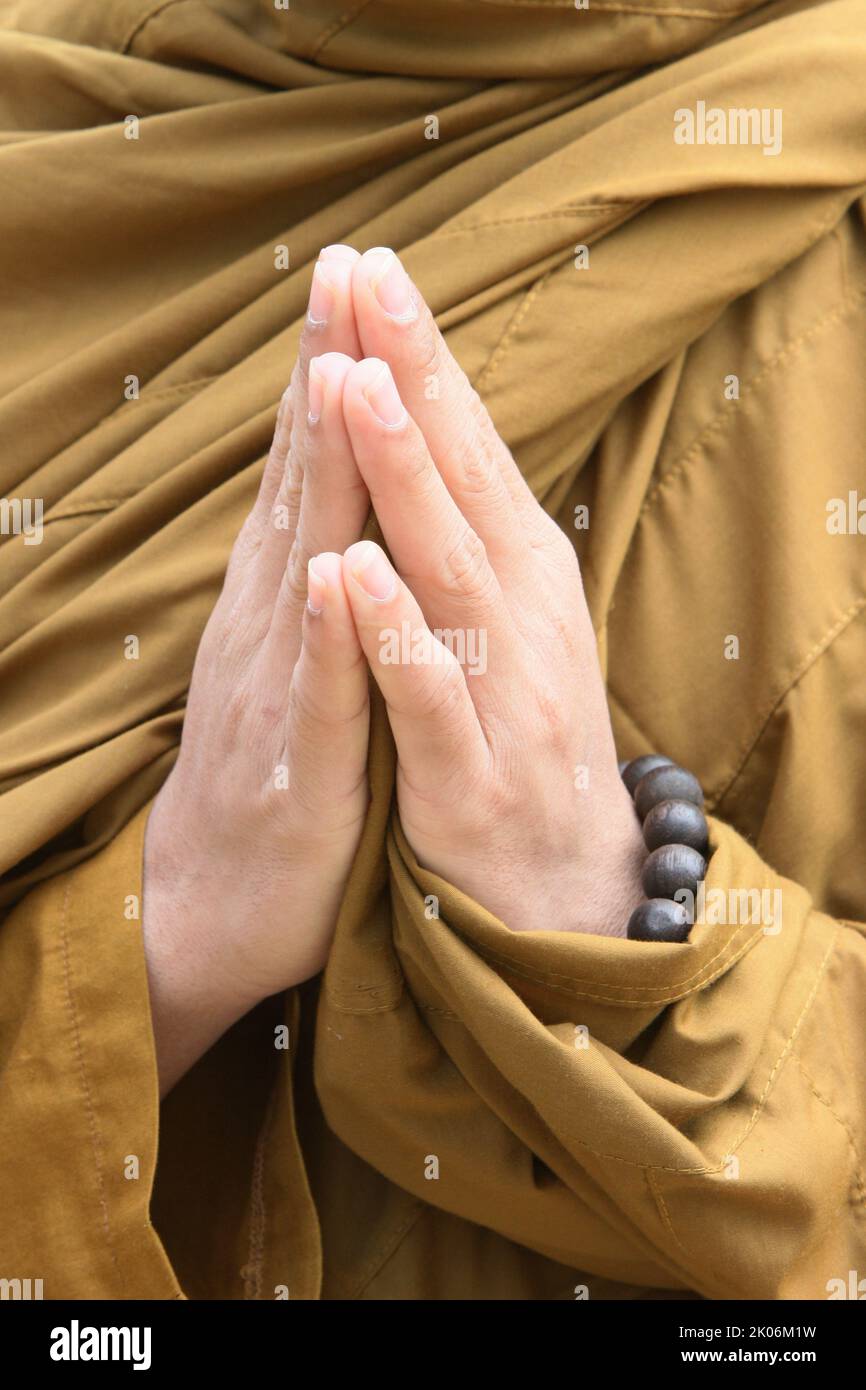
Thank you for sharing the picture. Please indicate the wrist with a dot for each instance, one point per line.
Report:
(196, 994)
(600, 886)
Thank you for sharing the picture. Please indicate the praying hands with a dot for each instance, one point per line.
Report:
(507, 779)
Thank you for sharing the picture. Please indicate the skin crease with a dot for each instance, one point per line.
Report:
(244, 871)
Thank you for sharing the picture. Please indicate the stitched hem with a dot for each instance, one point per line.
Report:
(96, 1142)
(676, 991)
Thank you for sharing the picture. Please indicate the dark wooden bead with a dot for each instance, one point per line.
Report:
(669, 783)
(670, 868)
(633, 771)
(676, 823)
(659, 920)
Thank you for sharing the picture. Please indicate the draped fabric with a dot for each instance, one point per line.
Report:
(669, 335)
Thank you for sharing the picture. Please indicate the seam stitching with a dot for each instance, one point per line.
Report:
(661, 1207)
(617, 7)
(252, 1271)
(89, 1109)
(724, 416)
(858, 1185)
(706, 1169)
(789, 1044)
(358, 1012)
(511, 328)
(179, 388)
(572, 211)
(387, 1249)
(434, 1009)
(820, 649)
(551, 977)
(336, 27)
(144, 20)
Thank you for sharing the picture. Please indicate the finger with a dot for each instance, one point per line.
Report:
(435, 549)
(395, 323)
(333, 508)
(330, 324)
(276, 462)
(329, 327)
(254, 529)
(432, 716)
(327, 717)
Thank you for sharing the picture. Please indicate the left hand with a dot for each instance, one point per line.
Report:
(251, 839)
(508, 784)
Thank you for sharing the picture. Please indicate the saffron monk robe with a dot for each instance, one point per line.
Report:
(362, 923)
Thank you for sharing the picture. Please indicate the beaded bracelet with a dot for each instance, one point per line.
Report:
(668, 801)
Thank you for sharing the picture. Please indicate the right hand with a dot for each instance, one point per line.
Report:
(250, 841)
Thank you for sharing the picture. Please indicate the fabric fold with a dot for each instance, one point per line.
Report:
(79, 1106)
(670, 338)
(575, 1090)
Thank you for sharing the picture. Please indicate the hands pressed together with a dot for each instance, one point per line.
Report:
(507, 779)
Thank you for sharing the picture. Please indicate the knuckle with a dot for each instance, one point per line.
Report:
(283, 514)
(292, 485)
(283, 427)
(553, 717)
(418, 470)
(293, 588)
(224, 637)
(298, 379)
(481, 423)
(465, 568)
(245, 548)
(248, 718)
(481, 450)
(235, 716)
(442, 690)
(428, 355)
(480, 465)
(565, 637)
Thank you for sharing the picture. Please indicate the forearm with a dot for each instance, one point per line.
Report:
(193, 998)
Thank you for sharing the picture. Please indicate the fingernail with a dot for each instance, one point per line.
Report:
(373, 572)
(384, 400)
(391, 286)
(338, 252)
(316, 590)
(315, 393)
(321, 297)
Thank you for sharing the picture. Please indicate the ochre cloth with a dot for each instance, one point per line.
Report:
(462, 1111)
